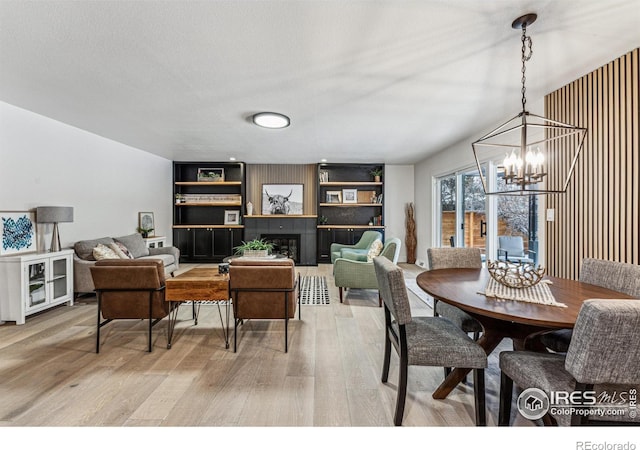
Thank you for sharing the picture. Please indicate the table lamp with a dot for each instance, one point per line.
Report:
(54, 215)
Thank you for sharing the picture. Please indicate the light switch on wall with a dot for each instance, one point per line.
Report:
(551, 215)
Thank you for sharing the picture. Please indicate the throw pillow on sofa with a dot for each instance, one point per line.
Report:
(121, 250)
(84, 249)
(102, 251)
(135, 244)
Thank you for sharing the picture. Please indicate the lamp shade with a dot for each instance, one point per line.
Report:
(54, 214)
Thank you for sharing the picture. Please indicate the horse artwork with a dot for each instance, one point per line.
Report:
(282, 199)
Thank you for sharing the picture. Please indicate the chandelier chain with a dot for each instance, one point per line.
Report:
(526, 42)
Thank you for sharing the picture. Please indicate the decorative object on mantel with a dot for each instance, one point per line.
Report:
(249, 208)
(532, 143)
(410, 234)
(516, 276)
(54, 215)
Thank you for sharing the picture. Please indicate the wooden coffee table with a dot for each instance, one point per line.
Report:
(198, 285)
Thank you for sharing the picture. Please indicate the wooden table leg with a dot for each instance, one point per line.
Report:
(488, 341)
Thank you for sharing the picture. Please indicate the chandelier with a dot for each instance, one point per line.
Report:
(530, 143)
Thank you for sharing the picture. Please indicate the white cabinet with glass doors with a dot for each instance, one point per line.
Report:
(34, 282)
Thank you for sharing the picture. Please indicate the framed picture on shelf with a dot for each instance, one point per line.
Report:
(286, 199)
(18, 229)
(210, 174)
(349, 196)
(231, 217)
(146, 223)
(334, 196)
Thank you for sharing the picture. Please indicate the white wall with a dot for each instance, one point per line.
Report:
(45, 162)
(398, 187)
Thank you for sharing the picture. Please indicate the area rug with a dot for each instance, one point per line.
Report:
(313, 290)
(417, 290)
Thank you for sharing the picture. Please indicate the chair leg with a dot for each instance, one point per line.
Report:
(340, 290)
(299, 299)
(479, 397)
(387, 347)
(98, 326)
(150, 318)
(506, 392)
(286, 321)
(235, 334)
(402, 390)
(379, 300)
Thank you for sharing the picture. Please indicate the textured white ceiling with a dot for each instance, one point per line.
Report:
(390, 81)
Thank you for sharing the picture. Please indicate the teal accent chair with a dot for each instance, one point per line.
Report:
(360, 248)
(354, 274)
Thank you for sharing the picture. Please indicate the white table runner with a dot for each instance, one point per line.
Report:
(539, 293)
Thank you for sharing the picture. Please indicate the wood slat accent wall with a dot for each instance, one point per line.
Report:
(598, 216)
(259, 174)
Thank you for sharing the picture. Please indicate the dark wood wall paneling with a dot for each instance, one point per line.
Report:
(599, 215)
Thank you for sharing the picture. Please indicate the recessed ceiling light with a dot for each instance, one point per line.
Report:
(232, 159)
(271, 120)
(323, 160)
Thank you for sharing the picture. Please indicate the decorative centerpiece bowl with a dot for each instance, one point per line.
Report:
(515, 275)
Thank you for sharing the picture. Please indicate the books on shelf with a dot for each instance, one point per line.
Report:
(376, 220)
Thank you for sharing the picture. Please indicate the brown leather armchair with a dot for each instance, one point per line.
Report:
(129, 289)
(263, 289)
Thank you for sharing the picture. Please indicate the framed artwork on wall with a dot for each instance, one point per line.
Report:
(18, 229)
(284, 199)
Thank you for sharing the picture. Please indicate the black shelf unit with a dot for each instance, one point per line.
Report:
(199, 228)
(341, 219)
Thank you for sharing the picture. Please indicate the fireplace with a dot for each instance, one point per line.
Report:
(285, 244)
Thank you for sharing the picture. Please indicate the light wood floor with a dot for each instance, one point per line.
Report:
(51, 376)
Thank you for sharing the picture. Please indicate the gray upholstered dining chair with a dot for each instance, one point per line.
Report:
(617, 276)
(455, 258)
(423, 341)
(603, 356)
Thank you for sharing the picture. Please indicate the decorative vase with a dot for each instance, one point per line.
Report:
(376, 178)
(249, 208)
(410, 238)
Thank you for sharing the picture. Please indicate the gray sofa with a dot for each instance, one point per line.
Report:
(83, 258)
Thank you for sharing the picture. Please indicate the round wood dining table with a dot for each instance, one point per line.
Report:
(518, 320)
